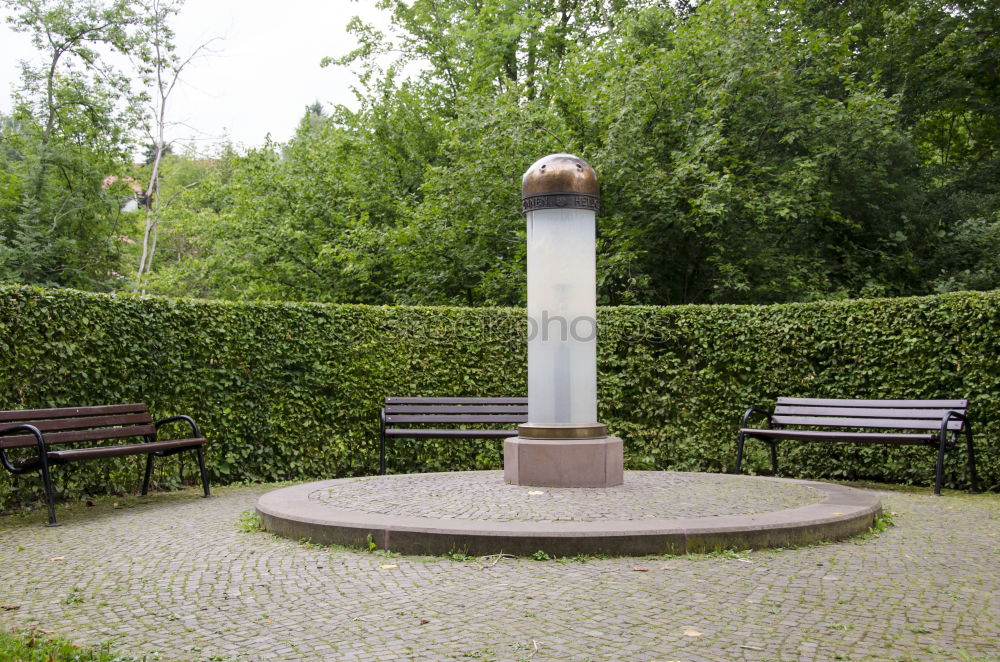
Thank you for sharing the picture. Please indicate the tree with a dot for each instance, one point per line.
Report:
(738, 164)
(750, 151)
(189, 190)
(746, 165)
(150, 150)
(463, 243)
(162, 67)
(939, 60)
(488, 47)
(73, 121)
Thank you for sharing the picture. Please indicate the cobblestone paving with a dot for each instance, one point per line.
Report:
(645, 495)
(173, 577)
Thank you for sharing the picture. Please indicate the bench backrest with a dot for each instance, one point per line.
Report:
(880, 414)
(455, 411)
(75, 424)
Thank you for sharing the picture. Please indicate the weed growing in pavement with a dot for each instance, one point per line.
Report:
(883, 520)
(250, 522)
(74, 597)
(458, 556)
(731, 554)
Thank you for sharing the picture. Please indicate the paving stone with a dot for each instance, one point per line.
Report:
(174, 575)
(483, 495)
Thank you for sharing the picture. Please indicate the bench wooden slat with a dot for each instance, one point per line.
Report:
(845, 435)
(457, 409)
(452, 400)
(886, 423)
(51, 438)
(453, 433)
(63, 424)
(455, 419)
(16, 415)
(95, 452)
(862, 412)
(909, 404)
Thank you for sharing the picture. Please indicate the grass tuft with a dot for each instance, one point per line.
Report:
(36, 646)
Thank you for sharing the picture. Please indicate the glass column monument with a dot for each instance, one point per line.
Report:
(562, 444)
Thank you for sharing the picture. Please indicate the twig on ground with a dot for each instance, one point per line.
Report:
(496, 559)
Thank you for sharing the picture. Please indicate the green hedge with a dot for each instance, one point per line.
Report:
(292, 391)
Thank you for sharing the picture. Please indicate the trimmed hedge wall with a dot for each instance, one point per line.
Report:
(292, 391)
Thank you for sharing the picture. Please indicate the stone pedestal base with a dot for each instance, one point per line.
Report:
(563, 462)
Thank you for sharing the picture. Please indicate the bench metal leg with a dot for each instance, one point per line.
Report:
(774, 457)
(740, 440)
(381, 445)
(204, 474)
(976, 489)
(47, 482)
(381, 456)
(149, 472)
(939, 467)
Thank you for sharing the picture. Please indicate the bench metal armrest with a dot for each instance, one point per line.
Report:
(174, 419)
(756, 410)
(5, 461)
(967, 429)
(947, 418)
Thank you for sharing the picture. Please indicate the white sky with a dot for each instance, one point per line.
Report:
(264, 72)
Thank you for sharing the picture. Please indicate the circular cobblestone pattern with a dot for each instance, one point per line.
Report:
(173, 577)
(483, 495)
(653, 512)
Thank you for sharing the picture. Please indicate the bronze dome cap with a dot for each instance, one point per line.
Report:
(560, 181)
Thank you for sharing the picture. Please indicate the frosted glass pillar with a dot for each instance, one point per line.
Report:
(562, 444)
(562, 311)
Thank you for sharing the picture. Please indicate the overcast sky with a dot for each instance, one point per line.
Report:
(264, 72)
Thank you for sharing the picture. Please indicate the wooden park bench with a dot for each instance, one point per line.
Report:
(934, 423)
(44, 429)
(494, 418)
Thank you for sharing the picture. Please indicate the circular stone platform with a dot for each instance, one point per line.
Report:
(653, 512)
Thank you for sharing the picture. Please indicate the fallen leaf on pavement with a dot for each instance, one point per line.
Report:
(641, 569)
(691, 633)
(10, 607)
(388, 566)
(58, 558)
(424, 621)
